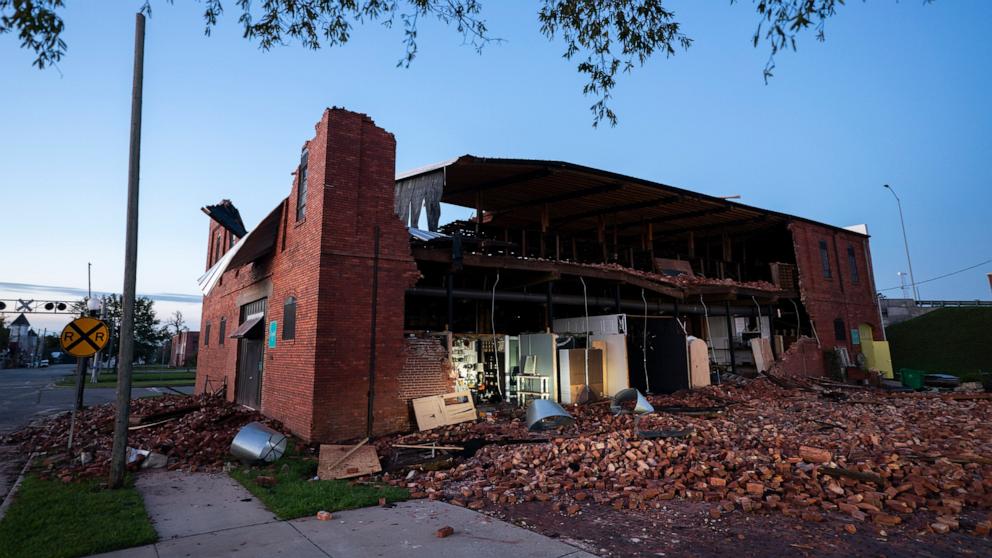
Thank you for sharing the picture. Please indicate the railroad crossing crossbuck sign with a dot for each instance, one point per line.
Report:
(84, 337)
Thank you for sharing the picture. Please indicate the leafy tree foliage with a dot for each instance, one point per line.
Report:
(605, 37)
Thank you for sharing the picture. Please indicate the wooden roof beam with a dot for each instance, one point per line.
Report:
(618, 209)
(502, 182)
(595, 190)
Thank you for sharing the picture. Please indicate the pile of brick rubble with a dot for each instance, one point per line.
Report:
(871, 457)
(196, 437)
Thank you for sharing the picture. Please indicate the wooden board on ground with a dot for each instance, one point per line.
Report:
(363, 461)
(699, 363)
(443, 410)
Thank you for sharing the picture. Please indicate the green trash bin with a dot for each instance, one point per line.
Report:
(912, 379)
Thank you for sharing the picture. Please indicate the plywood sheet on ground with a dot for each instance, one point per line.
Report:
(363, 461)
(442, 410)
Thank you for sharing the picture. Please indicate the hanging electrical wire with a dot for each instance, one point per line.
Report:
(758, 306)
(585, 302)
(709, 343)
(969, 268)
(644, 344)
(492, 319)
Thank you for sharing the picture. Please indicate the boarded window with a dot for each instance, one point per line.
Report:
(206, 335)
(222, 332)
(289, 319)
(852, 262)
(301, 192)
(840, 330)
(825, 259)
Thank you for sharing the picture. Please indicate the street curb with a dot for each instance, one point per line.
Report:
(13, 489)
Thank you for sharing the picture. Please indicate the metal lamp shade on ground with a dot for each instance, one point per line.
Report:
(630, 401)
(544, 414)
(257, 442)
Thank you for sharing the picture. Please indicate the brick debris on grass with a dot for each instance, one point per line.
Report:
(198, 438)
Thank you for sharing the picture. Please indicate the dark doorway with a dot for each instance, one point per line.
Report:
(667, 356)
(251, 350)
(249, 385)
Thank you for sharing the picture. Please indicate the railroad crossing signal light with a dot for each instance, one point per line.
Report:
(60, 306)
(50, 306)
(3, 305)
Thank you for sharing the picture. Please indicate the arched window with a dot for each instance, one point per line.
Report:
(289, 318)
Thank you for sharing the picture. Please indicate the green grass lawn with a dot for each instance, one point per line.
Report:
(295, 495)
(142, 378)
(949, 340)
(59, 520)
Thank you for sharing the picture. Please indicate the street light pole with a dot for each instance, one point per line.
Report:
(905, 241)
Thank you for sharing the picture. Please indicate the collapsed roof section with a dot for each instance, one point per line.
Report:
(227, 216)
(570, 198)
(251, 246)
(559, 218)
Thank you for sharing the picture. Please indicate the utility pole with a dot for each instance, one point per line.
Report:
(912, 280)
(126, 354)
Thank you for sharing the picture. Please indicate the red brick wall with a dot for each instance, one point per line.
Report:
(356, 183)
(827, 299)
(317, 384)
(216, 363)
(427, 370)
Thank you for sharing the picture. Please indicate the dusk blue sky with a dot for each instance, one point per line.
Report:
(899, 94)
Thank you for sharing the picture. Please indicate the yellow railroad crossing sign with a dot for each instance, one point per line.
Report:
(84, 337)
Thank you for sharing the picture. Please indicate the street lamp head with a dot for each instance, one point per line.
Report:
(93, 306)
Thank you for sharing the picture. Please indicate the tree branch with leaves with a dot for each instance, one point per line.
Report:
(607, 37)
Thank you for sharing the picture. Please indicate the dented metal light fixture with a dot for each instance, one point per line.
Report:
(545, 414)
(630, 401)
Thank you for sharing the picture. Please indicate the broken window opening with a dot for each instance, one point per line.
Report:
(825, 259)
(301, 193)
(852, 262)
(222, 332)
(206, 336)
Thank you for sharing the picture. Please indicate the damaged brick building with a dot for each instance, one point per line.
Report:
(337, 309)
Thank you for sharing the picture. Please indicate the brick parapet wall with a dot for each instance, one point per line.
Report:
(357, 185)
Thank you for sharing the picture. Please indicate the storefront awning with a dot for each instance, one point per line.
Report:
(249, 328)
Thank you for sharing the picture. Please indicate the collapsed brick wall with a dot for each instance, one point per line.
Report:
(803, 358)
(427, 370)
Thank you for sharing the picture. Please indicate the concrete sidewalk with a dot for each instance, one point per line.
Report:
(212, 515)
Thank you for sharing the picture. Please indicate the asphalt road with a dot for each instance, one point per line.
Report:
(27, 394)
